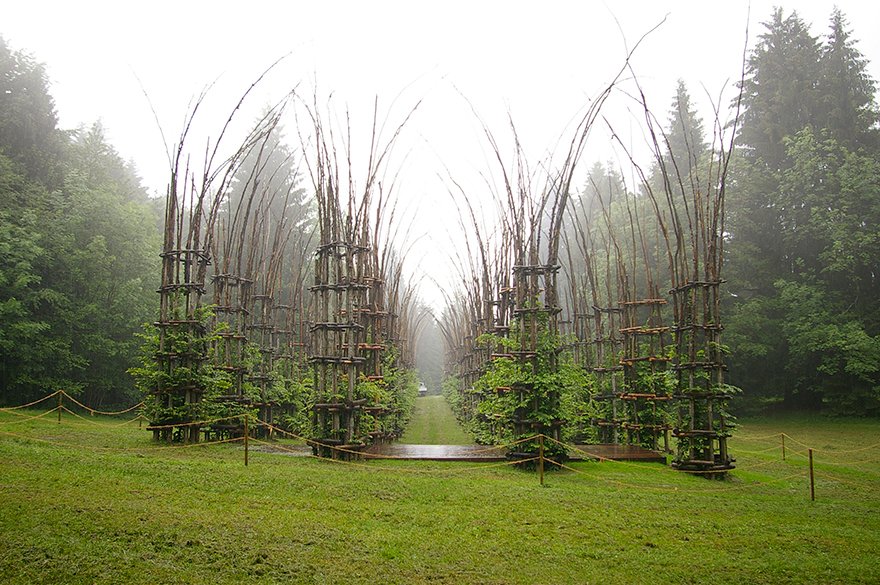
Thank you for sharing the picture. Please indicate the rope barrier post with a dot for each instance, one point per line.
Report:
(60, 405)
(245, 440)
(783, 445)
(541, 458)
(812, 479)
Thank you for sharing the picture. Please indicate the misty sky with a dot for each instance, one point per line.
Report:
(542, 62)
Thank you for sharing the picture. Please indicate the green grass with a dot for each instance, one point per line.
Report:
(83, 502)
(433, 423)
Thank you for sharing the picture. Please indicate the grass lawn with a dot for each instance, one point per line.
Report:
(433, 423)
(87, 502)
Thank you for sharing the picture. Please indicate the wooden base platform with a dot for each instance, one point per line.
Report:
(482, 453)
(473, 453)
(620, 453)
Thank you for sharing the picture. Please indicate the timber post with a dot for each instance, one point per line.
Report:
(246, 440)
(812, 479)
(541, 458)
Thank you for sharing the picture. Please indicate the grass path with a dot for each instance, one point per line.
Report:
(434, 424)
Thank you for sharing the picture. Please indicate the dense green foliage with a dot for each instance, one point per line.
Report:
(79, 243)
(555, 390)
(151, 376)
(516, 399)
(802, 221)
(395, 393)
(804, 215)
(79, 238)
(102, 504)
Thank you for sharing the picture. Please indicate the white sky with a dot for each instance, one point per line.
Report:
(541, 61)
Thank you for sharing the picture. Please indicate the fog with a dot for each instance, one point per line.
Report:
(138, 67)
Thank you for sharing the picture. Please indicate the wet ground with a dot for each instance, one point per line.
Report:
(484, 453)
(478, 453)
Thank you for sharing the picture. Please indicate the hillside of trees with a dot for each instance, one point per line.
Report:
(79, 250)
(802, 219)
(80, 238)
(804, 224)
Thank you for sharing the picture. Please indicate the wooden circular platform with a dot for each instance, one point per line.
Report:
(477, 453)
(483, 453)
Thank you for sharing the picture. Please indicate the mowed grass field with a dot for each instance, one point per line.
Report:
(434, 424)
(89, 501)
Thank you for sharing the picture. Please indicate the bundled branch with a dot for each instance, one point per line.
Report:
(505, 335)
(651, 265)
(356, 295)
(623, 286)
(261, 268)
(177, 376)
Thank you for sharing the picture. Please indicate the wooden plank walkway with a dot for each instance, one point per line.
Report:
(478, 453)
(621, 453)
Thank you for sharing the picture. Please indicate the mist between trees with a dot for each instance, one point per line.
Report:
(80, 239)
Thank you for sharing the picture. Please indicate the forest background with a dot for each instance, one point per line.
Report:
(80, 235)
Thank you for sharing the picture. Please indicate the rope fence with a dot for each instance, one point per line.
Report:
(94, 411)
(344, 455)
(29, 404)
(90, 421)
(25, 418)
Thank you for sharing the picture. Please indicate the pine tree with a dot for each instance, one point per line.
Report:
(28, 133)
(848, 110)
(802, 224)
(685, 137)
(781, 88)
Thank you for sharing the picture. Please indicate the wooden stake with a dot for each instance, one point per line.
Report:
(60, 399)
(541, 458)
(812, 479)
(783, 446)
(245, 440)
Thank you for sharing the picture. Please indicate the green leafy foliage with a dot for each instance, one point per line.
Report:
(292, 389)
(28, 133)
(79, 244)
(804, 211)
(393, 396)
(162, 382)
(548, 391)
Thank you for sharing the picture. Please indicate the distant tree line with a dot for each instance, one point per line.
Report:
(79, 244)
(802, 221)
(79, 237)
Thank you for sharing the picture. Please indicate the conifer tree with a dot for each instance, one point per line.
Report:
(848, 110)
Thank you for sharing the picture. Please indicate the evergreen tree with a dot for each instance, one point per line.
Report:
(780, 98)
(267, 189)
(802, 220)
(604, 186)
(780, 90)
(79, 248)
(685, 137)
(848, 109)
(28, 133)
